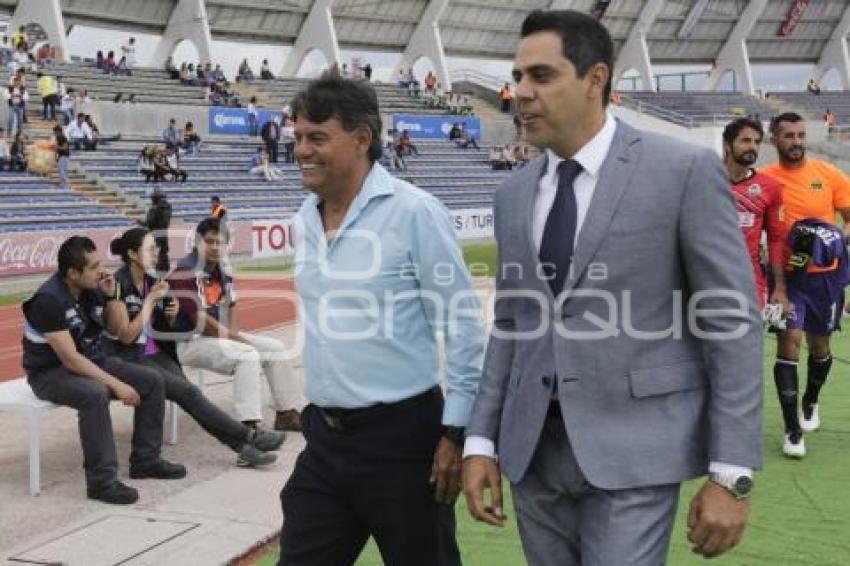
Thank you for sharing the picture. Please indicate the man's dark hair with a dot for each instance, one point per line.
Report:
(733, 128)
(585, 40)
(354, 103)
(72, 253)
(208, 225)
(215, 198)
(790, 117)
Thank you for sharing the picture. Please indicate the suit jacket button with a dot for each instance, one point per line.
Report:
(547, 381)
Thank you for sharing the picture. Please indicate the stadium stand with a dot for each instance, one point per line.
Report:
(459, 178)
(816, 105)
(700, 107)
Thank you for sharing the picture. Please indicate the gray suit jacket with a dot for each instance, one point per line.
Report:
(646, 400)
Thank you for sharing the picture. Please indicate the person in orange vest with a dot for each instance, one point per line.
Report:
(219, 212)
(506, 95)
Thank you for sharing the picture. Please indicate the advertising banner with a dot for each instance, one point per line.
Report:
(234, 121)
(435, 127)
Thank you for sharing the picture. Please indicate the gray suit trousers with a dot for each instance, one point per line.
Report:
(565, 521)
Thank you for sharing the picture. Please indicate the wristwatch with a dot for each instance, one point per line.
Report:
(455, 434)
(739, 486)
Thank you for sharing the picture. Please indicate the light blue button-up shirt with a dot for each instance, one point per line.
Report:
(373, 297)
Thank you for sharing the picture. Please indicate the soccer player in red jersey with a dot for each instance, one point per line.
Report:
(758, 199)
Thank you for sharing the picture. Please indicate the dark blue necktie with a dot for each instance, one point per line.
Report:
(556, 248)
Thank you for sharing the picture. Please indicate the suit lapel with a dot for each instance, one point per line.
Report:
(614, 177)
(531, 185)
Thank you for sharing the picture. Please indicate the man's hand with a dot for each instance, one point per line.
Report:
(106, 284)
(779, 296)
(481, 473)
(126, 394)
(445, 471)
(716, 520)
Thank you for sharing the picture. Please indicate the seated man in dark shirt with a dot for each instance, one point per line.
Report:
(66, 365)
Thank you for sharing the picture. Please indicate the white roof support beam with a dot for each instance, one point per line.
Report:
(733, 55)
(317, 32)
(426, 41)
(188, 21)
(692, 18)
(635, 52)
(835, 54)
(47, 14)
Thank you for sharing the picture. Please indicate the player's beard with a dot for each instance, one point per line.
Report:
(746, 159)
(787, 154)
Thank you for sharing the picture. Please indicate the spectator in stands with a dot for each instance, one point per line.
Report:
(270, 132)
(171, 68)
(287, 136)
(496, 160)
(147, 305)
(66, 107)
(146, 164)
(367, 72)
(218, 76)
(98, 60)
(402, 79)
(455, 132)
(286, 111)
(49, 93)
(183, 74)
(121, 68)
(245, 73)
(19, 38)
(158, 220)
(172, 160)
(44, 55)
(21, 59)
(5, 153)
(18, 153)
(466, 108)
(161, 168)
(221, 346)
(16, 97)
(521, 156)
(345, 73)
(109, 63)
(406, 145)
(430, 82)
(253, 128)
(506, 95)
(172, 136)
(813, 87)
(265, 71)
(466, 139)
(392, 159)
(191, 140)
(128, 50)
(260, 166)
(119, 97)
(831, 121)
(80, 134)
(411, 78)
(131, 99)
(6, 51)
(63, 156)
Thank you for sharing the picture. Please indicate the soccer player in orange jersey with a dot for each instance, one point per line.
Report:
(811, 189)
(758, 199)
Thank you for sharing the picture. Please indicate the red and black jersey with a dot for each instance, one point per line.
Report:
(758, 199)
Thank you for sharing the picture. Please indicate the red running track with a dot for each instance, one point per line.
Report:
(262, 303)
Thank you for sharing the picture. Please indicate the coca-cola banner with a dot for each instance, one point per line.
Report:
(793, 17)
(35, 252)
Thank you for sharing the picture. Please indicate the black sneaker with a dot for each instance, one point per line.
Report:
(251, 457)
(117, 494)
(267, 440)
(162, 470)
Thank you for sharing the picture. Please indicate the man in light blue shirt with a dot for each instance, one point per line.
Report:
(378, 272)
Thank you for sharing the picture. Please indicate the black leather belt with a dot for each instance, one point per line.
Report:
(348, 419)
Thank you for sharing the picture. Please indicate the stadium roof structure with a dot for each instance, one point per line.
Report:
(728, 34)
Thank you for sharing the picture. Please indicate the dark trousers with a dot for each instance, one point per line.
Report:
(48, 111)
(91, 400)
(289, 152)
(272, 148)
(371, 480)
(179, 389)
(89, 145)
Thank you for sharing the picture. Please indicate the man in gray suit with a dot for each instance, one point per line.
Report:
(618, 371)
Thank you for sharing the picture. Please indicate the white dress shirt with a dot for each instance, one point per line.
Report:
(591, 157)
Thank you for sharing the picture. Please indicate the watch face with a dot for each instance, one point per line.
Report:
(743, 485)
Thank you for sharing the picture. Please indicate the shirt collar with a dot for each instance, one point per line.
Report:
(592, 155)
(377, 183)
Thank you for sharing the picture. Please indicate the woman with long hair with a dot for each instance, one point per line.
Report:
(148, 306)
